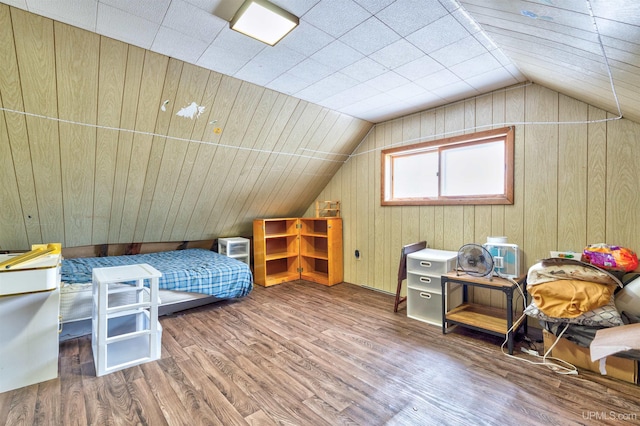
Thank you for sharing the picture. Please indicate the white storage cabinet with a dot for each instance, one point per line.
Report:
(235, 247)
(124, 335)
(424, 288)
(29, 318)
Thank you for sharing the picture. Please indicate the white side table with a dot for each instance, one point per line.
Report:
(235, 247)
(127, 334)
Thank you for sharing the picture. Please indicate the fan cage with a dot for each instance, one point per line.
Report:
(482, 258)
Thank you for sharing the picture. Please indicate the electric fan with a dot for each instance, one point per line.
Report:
(475, 260)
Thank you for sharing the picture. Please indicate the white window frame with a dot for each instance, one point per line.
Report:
(505, 135)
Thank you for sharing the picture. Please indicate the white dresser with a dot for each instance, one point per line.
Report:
(424, 288)
(29, 310)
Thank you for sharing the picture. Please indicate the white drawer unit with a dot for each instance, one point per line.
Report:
(424, 288)
(235, 247)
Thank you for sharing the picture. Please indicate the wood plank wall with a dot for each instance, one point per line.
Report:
(575, 184)
(88, 156)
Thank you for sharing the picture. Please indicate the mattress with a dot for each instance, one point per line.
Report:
(192, 270)
(76, 300)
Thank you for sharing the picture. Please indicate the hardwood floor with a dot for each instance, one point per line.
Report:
(304, 354)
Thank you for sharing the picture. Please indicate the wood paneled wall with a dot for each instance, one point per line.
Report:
(575, 184)
(88, 156)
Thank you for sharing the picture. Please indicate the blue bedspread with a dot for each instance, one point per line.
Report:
(191, 270)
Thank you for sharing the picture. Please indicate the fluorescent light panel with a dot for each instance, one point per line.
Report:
(263, 21)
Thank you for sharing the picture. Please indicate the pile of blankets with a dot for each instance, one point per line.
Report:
(571, 291)
(568, 291)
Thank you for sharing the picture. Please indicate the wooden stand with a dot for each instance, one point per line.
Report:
(496, 321)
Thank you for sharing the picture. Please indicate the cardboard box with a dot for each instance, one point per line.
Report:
(619, 368)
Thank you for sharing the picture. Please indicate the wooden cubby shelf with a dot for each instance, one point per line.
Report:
(302, 248)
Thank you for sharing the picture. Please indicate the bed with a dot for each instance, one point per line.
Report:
(191, 277)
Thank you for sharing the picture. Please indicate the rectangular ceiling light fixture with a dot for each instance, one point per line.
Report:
(263, 21)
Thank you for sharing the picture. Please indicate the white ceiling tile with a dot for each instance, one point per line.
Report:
(178, 45)
(424, 99)
(407, 16)
(238, 44)
(350, 96)
(374, 6)
(268, 65)
(337, 55)
(296, 7)
(370, 36)
(116, 23)
(458, 52)
(336, 17)
(221, 60)
(406, 91)
(364, 107)
(492, 80)
(397, 54)
(288, 84)
(223, 9)
(254, 74)
(440, 78)
(306, 39)
(278, 58)
(476, 66)
(209, 5)
(419, 68)
(324, 88)
(387, 81)
(438, 34)
(310, 71)
(79, 14)
(455, 91)
(151, 10)
(388, 111)
(364, 69)
(193, 21)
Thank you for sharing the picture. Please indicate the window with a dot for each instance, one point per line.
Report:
(468, 169)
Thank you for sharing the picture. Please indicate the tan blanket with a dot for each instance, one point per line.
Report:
(568, 298)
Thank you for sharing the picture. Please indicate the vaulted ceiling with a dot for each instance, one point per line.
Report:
(380, 59)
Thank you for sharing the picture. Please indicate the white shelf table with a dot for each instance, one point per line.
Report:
(125, 334)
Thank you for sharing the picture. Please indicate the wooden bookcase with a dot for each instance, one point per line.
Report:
(298, 248)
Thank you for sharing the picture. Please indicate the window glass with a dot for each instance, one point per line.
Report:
(473, 170)
(415, 175)
(469, 169)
